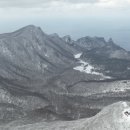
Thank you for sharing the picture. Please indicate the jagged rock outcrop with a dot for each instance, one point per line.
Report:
(91, 42)
(68, 39)
(98, 46)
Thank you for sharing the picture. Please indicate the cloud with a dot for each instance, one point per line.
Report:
(20, 3)
(81, 1)
(35, 3)
(75, 16)
(51, 3)
(114, 3)
(61, 8)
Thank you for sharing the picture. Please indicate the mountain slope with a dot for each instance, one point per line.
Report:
(105, 56)
(30, 48)
(98, 46)
(45, 77)
(113, 117)
(28, 59)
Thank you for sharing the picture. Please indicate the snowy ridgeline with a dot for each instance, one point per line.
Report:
(86, 67)
(113, 117)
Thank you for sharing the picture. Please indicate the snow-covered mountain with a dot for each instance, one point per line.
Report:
(46, 78)
(32, 50)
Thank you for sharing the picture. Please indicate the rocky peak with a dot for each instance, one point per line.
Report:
(54, 35)
(112, 45)
(28, 31)
(110, 40)
(91, 42)
(29, 28)
(68, 39)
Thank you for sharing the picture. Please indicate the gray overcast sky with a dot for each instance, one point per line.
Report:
(108, 18)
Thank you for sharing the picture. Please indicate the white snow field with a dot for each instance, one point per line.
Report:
(86, 67)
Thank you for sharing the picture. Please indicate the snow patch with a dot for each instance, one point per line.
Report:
(39, 47)
(4, 96)
(77, 56)
(89, 69)
(125, 115)
(123, 89)
(5, 51)
(46, 55)
(125, 104)
(85, 67)
(119, 90)
(42, 66)
(116, 90)
(128, 68)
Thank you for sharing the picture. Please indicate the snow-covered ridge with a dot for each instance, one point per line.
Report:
(113, 117)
